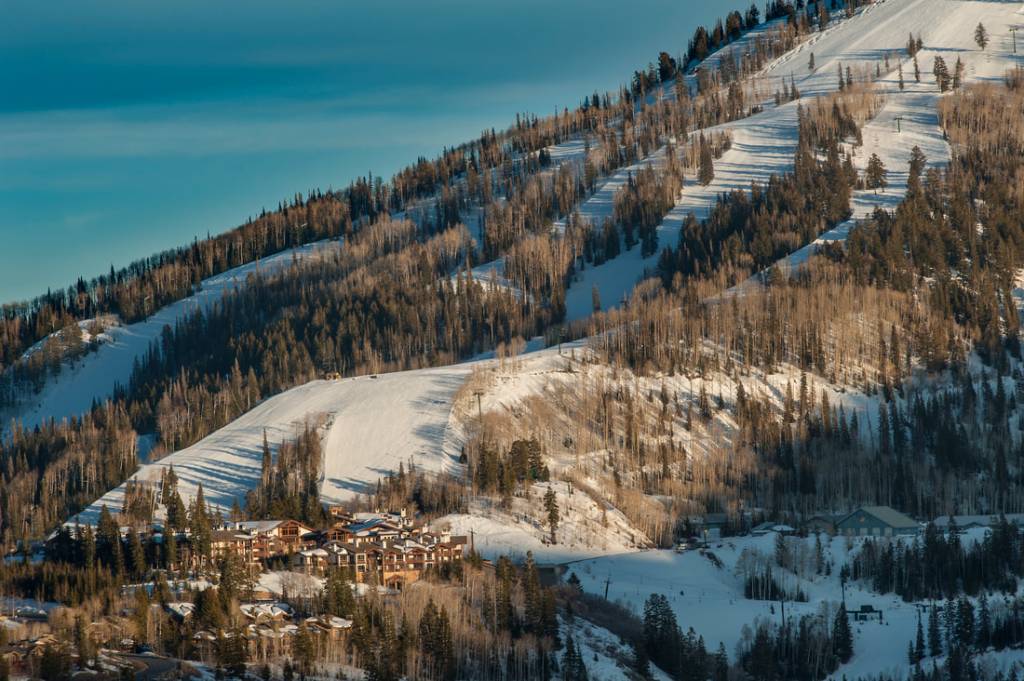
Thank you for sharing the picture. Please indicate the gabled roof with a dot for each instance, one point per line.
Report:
(259, 525)
(887, 515)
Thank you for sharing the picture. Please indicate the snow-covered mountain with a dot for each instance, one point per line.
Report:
(371, 424)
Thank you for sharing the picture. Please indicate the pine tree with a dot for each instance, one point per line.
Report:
(88, 548)
(721, 670)
(138, 556)
(199, 524)
(919, 651)
(981, 35)
(810, 63)
(902, 85)
(984, 626)
(876, 173)
(573, 667)
(170, 549)
(706, 169)
(941, 73)
(231, 652)
(83, 644)
(303, 649)
(917, 70)
(842, 637)
(551, 508)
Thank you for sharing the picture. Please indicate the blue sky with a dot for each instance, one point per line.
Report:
(129, 127)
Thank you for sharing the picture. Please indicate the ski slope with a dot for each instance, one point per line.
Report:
(95, 376)
(369, 425)
(764, 144)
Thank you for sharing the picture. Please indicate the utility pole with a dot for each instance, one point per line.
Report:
(899, 119)
(1013, 32)
(607, 582)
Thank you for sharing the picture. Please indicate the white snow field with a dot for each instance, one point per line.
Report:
(95, 376)
(370, 424)
(710, 599)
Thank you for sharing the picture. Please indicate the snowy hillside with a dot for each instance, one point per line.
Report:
(705, 590)
(94, 378)
(587, 527)
(764, 144)
(369, 426)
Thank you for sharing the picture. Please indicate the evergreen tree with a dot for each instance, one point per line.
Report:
(231, 652)
(875, 174)
(706, 163)
(842, 637)
(551, 509)
(981, 35)
(934, 633)
(83, 644)
(941, 73)
(199, 524)
(919, 651)
(303, 649)
(573, 667)
(138, 556)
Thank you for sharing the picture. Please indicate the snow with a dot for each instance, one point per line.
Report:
(710, 599)
(95, 377)
(764, 144)
(369, 425)
(603, 653)
(291, 583)
(586, 527)
(85, 328)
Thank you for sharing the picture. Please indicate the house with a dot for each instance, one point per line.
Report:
(877, 521)
(339, 513)
(224, 543)
(384, 549)
(333, 627)
(313, 561)
(255, 541)
(710, 526)
(291, 533)
(967, 522)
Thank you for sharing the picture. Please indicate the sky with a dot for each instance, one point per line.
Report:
(127, 128)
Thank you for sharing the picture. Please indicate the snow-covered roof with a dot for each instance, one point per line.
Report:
(980, 520)
(259, 525)
(887, 515)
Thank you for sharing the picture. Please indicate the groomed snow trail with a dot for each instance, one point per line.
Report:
(764, 144)
(370, 424)
(94, 377)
